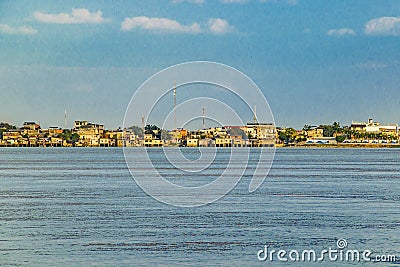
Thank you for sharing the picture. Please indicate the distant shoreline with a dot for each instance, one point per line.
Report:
(341, 146)
(313, 146)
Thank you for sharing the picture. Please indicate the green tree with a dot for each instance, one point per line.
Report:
(150, 127)
(340, 138)
(7, 126)
(336, 127)
(74, 137)
(287, 135)
(136, 129)
(328, 130)
(70, 137)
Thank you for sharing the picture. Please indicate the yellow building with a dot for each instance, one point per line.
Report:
(152, 139)
(192, 142)
(154, 143)
(55, 141)
(11, 135)
(223, 142)
(89, 133)
(239, 142)
(55, 131)
(315, 133)
(261, 134)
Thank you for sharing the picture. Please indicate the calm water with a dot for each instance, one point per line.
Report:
(81, 207)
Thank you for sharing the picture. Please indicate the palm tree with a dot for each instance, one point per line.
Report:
(336, 127)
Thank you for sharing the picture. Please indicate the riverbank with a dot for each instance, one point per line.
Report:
(355, 145)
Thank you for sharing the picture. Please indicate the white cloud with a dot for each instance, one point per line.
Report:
(340, 32)
(383, 26)
(21, 30)
(219, 26)
(372, 65)
(78, 16)
(216, 26)
(158, 25)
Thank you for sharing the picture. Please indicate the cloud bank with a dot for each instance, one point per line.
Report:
(219, 26)
(340, 32)
(21, 30)
(216, 26)
(383, 26)
(158, 25)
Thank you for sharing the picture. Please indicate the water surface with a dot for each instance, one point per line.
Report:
(81, 207)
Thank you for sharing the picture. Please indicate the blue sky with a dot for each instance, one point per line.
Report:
(315, 61)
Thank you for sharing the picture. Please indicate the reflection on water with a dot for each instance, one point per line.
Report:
(80, 206)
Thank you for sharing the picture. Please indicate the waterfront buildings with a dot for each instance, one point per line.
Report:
(375, 127)
(89, 134)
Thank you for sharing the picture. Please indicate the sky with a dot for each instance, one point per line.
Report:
(316, 62)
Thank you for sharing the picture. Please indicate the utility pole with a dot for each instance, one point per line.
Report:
(255, 114)
(204, 118)
(175, 105)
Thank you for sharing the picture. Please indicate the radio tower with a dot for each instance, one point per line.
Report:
(174, 104)
(204, 118)
(255, 114)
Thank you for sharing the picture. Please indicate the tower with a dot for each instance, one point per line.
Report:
(65, 119)
(255, 114)
(204, 118)
(174, 104)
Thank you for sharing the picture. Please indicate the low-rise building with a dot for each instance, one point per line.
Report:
(192, 142)
(89, 133)
(12, 135)
(30, 125)
(56, 141)
(261, 134)
(223, 142)
(375, 127)
(316, 132)
(54, 131)
(206, 142)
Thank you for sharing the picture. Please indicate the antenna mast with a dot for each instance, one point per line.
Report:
(204, 118)
(255, 114)
(174, 104)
